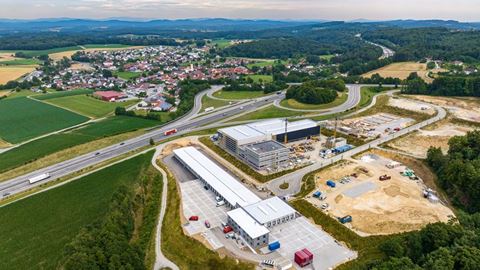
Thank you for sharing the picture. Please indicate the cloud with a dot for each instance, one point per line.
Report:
(275, 9)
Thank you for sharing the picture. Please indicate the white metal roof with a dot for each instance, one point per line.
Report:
(241, 132)
(269, 210)
(247, 223)
(266, 128)
(227, 186)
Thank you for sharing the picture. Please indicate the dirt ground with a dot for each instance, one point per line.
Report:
(399, 70)
(467, 108)
(411, 105)
(391, 206)
(169, 147)
(7, 57)
(81, 66)
(419, 142)
(13, 73)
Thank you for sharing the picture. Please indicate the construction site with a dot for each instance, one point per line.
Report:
(374, 195)
(371, 127)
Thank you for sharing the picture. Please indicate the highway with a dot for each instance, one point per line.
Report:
(183, 125)
(295, 178)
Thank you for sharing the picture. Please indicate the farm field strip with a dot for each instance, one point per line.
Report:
(87, 106)
(10, 73)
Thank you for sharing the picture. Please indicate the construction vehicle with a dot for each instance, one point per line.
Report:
(384, 177)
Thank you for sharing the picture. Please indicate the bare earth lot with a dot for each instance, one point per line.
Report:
(465, 108)
(7, 57)
(9, 73)
(419, 142)
(378, 207)
(411, 105)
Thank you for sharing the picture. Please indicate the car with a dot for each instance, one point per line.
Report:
(193, 218)
(98, 153)
(325, 206)
(241, 108)
(279, 92)
(218, 199)
(220, 203)
(207, 224)
(6, 194)
(205, 187)
(224, 114)
(122, 143)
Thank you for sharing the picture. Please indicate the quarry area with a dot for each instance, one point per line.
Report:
(382, 196)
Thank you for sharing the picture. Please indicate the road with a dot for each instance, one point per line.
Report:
(386, 52)
(295, 178)
(353, 99)
(183, 125)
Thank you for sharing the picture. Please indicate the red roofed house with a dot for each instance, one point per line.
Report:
(109, 95)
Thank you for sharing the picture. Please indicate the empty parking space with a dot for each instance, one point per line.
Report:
(200, 202)
(300, 233)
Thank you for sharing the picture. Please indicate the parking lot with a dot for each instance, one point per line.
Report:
(200, 202)
(300, 233)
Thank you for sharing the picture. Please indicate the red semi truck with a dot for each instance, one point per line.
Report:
(170, 132)
(303, 257)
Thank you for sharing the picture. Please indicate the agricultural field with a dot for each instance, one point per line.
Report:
(20, 62)
(43, 147)
(221, 43)
(60, 94)
(293, 104)
(10, 73)
(400, 70)
(7, 56)
(58, 54)
(236, 95)
(88, 106)
(22, 119)
(36, 237)
(261, 78)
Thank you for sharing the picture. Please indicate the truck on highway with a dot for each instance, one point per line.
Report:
(170, 132)
(209, 109)
(38, 178)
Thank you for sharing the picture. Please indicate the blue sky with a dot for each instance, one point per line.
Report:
(463, 10)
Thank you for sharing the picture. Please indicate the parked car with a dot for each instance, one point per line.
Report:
(193, 218)
(207, 224)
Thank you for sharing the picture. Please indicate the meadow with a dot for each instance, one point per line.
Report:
(235, 95)
(88, 106)
(261, 78)
(22, 119)
(60, 94)
(127, 75)
(35, 237)
(36, 149)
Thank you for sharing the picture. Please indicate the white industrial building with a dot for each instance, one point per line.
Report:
(234, 137)
(252, 216)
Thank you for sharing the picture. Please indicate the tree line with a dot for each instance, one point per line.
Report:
(445, 85)
(252, 86)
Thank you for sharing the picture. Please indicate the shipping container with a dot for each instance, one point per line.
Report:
(343, 148)
(274, 246)
(303, 257)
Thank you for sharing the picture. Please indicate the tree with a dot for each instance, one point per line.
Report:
(152, 142)
(397, 264)
(440, 259)
(120, 111)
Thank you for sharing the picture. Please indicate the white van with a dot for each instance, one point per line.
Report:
(220, 203)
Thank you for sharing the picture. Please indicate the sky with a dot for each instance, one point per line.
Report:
(462, 10)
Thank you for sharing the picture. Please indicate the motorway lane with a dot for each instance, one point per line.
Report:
(295, 178)
(183, 125)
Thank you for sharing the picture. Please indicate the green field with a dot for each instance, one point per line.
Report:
(37, 228)
(268, 112)
(327, 57)
(210, 102)
(235, 95)
(50, 51)
(20, 62)
(51, 144)
(221, 43)
(265, 63)
(262, 78)
(106, 46)
(59, 94)
(291, 103)
(127, 75)
(22, 119)
(88, 106)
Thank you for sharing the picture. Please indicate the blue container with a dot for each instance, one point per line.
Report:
(345, 219)
(317, 194)
(274, 246)
(343, 148)
(330, 183)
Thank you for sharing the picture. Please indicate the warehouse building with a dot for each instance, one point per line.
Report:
(271, 212)
(251, 217)
(232, 138)
(215, 178)
(264, 155)
(248, 228)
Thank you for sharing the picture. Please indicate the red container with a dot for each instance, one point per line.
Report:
(193, 218)
(303, 257)
(227, 229)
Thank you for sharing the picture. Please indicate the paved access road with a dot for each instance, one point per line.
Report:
(295, 178)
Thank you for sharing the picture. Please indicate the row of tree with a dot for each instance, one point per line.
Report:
(444, 86)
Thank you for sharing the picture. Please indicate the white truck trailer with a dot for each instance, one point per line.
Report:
(38, 178)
